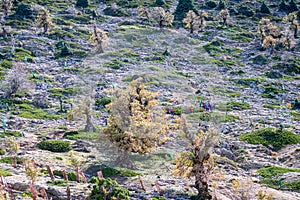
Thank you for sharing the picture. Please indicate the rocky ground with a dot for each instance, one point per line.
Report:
(190, 74)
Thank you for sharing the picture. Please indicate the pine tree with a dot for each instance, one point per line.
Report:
(44, 20)
(293, 6)
(160, 3)
(136, 121)
(182, 8)
(221, 5)
(265, 9)
(97, 38)
(283, 6)
(82, 3)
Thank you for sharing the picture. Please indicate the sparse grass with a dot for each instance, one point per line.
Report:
(84, 136)
(10, 133)
(31, 112)
(111, 172)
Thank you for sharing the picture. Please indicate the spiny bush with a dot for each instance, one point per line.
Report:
(108, 189)
(55, 145)
(271, 137)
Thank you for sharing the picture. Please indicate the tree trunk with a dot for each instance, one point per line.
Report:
(77, 174)
(45, 28)
(224, 21)
(100, 48)
(89, 127)
(202, 187)
(15, 161)
(296, 32)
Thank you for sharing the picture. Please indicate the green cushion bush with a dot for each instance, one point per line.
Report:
(271, 137)
(108, 189)
(55, 145)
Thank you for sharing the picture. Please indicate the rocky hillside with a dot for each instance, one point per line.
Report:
(60, 59)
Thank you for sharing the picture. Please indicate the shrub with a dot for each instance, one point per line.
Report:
(10, 160)
(221, 5)
(160, 3)
(61, 183)
(244, 10)
(211, 4)
(182, 8)
(55, 145)
(6, 64)
(82, 3)
(102, 102)
(110, 172)
(116, 12)
(270, 171)
(265, 9)
(11, 133)
(2, 151)
(274, 137)
(25, 11)
(5, 173)
(70, 133)
(260, 59)
(108, 189)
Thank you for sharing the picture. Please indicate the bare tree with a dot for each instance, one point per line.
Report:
(44, 19)
(16, 81)
(162, 17)
(197, 161)
(194, 22)
(224, 16)
(292, 18)
(97, 38)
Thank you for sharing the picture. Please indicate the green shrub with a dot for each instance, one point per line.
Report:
(2, 151)
(6, 64)
(270, 171)
(260, 60)
(55, 145)
(277, 184)
(82, 3)
(5, 173)
(115, 12)
(265, 9)
(159, 3)
(211, 4)
(10, 160)
(244, 10)
(70, 133)
(61, 183)
(102, 102)
(108, 189)
(11, 133)
(111, 172)
(25, 11)
(71, 175)
(182, 8)
(221, 5)
(274, 137)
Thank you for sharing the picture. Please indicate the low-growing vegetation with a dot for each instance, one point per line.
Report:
(273, 138)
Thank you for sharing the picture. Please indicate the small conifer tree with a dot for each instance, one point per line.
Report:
(221, 5)
(82, 3)
(293, 6)
(183, 7)
(264, 8)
